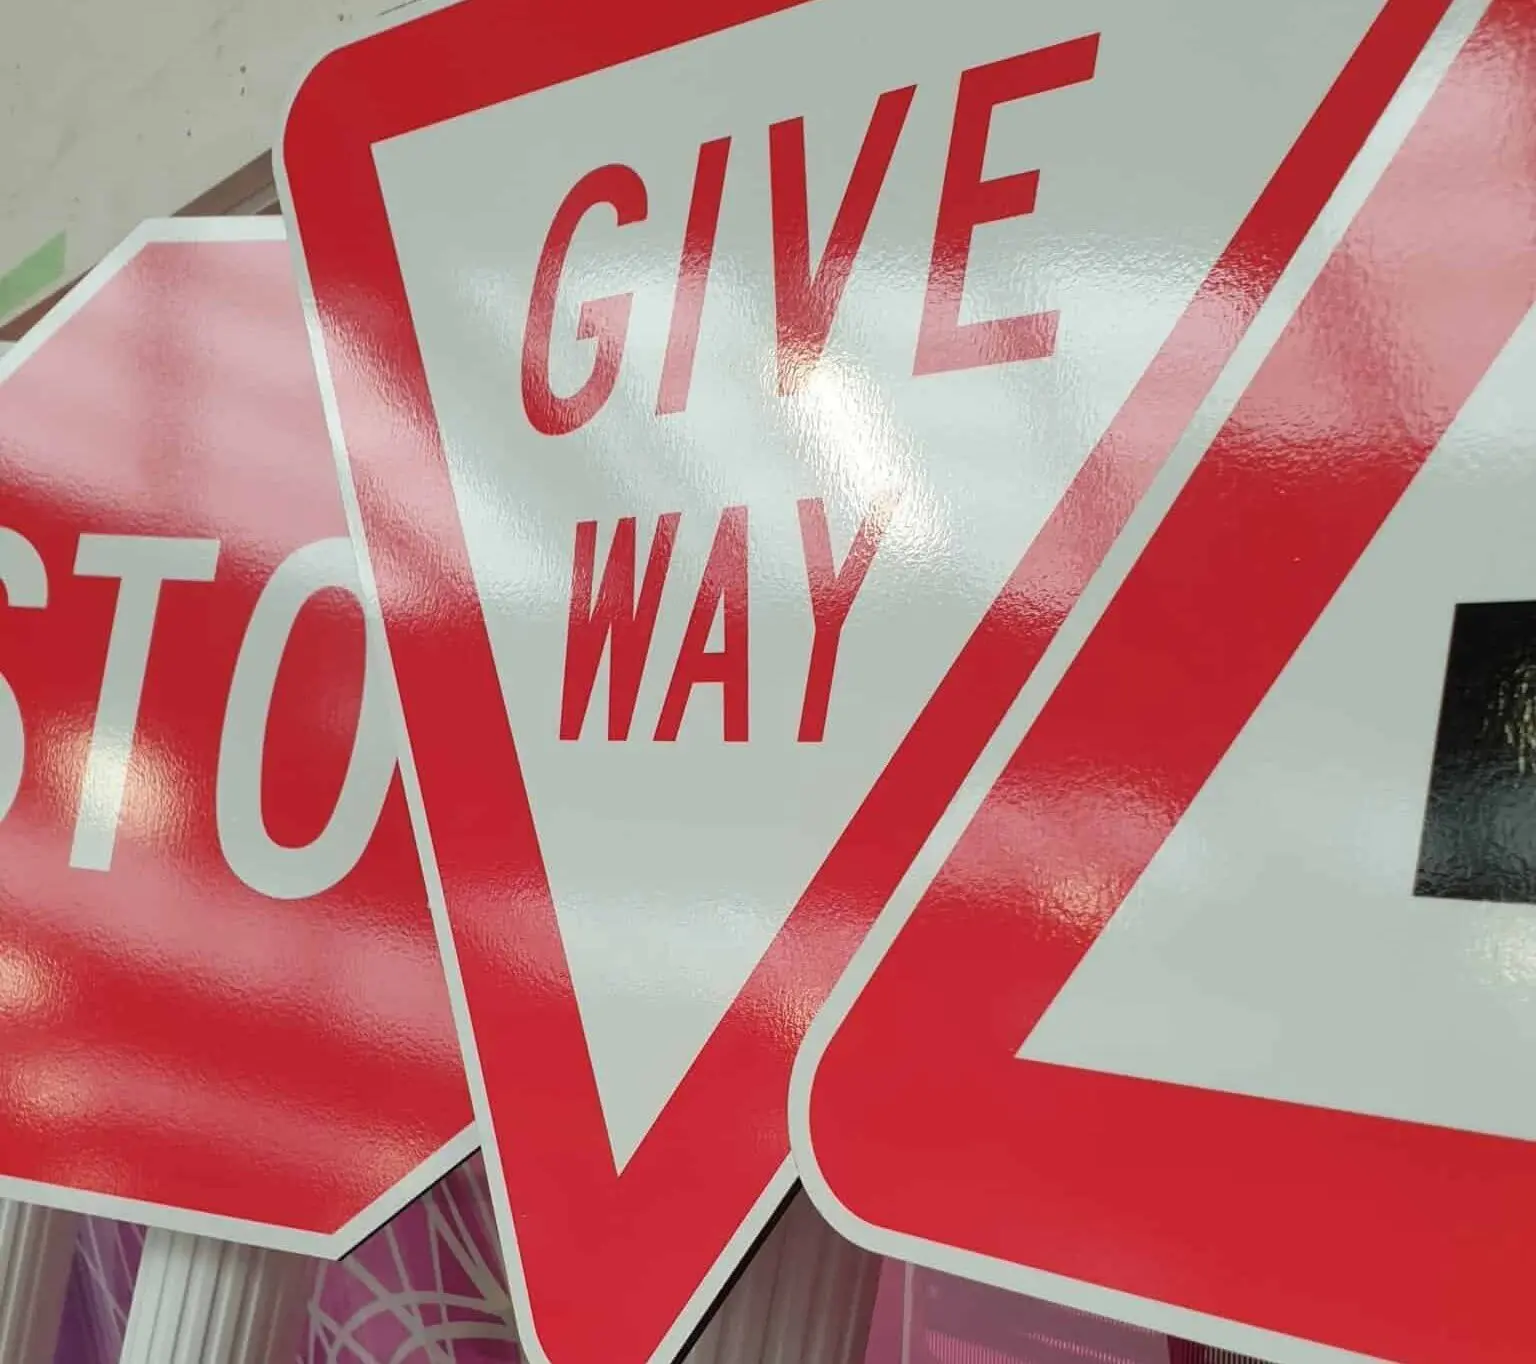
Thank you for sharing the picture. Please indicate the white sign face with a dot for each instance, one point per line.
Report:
(1275, 946)
(675, 854)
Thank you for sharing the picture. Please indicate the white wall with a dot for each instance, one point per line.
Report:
(113, 111)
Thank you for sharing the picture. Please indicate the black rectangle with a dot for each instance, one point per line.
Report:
(1479, 840)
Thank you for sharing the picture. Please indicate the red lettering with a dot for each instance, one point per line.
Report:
(805, 303)
(832, 593)
(604, 320)
(693, 275)
(723, 587)
(967, 201)
(614, 619)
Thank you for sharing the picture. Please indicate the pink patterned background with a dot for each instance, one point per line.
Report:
(428, 1289)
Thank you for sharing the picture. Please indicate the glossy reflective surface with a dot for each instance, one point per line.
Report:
(219, 990)
(736, 411)
(1165, 1030)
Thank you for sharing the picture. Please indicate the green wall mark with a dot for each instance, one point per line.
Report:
(26, 281)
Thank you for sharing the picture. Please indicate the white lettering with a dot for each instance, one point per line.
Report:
(143, 563)
(25, 581)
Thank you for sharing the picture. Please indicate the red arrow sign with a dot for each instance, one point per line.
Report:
(920, 1127)
(221, 1007)
(443, 233)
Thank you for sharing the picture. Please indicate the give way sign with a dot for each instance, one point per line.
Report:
(221, 1005)
(1215, 1011)
(733, 399)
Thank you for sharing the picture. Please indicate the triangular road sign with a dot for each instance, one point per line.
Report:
(1168, 1034)
(728, 446)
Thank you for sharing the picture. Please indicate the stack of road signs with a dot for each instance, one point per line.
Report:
(748, 465)
(952, 596)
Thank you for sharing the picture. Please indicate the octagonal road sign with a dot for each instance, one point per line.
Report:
(221, 1004)
(734, 398)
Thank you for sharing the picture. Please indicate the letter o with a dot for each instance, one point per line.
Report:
(25, 583)
(268, 867)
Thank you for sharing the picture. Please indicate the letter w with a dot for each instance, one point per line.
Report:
(615, 619)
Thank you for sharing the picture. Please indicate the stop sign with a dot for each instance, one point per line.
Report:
(221, 1004)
